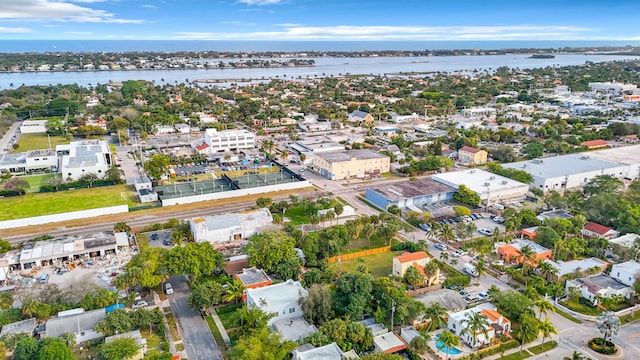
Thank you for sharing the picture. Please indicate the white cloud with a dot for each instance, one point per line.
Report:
(79, 32)
(47, 10)
(417, 33)
(16, 30)
(237, 23)
(148, 6)
(261, 2)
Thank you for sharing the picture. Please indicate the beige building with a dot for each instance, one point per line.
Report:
(348, 164)
(472, 156)
(418, 259)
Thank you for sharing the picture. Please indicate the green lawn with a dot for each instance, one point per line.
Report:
(576, 306)
(516, 356)
(539, 349)
(360, 244)
(39, 141)
(37, 204)
(216, 334)
(297, 215)
(36, 181)
(379, 264)
(630, 317)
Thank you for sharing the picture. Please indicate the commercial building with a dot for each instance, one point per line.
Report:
(409, 194)
(227, 140)
(220, 229)
(490, 187)
(282, 300)
(145, 190)
(341, 165)
(80, 158)
(44, 160)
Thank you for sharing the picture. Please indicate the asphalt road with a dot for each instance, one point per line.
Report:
(4, 141)
(198, 341)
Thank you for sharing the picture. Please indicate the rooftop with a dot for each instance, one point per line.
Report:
(446, 297)
(520, 243)
(43, 152)
(603, 281)
(389, 343)
(408, 189)
(477, 180)
(627, 155)
(596, 228)
(469, 149)
(410, 257)
(629, 266)
(567, 267)
(562, 165)
(627, 240)
(20, 327)
(328, 352)
(294, 329)
(348, 155)
(277, 293)
(252, 276)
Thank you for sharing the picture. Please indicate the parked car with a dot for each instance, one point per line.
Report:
(43, 278)
(167, 242)
(463, 293)
(483, 296)
(139, 304)
(441, 246)
(168, 289)
(484, 231)
(498, 219)
(154, 236)
(425, 227)
(458, 252)
(470, 298)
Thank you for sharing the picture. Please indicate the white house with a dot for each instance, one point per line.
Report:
(282, 300)
(164, 129)
(599, 285)
(328, 352)
(626, 272)
(497, 324)
(228, 227)
(592, 229)
(84, 157)
(41, 160)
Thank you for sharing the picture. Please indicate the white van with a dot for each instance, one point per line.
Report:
(497, 206)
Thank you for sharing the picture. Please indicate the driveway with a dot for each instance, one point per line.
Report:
(197, 339)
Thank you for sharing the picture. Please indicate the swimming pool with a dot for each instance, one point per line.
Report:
(445, 349)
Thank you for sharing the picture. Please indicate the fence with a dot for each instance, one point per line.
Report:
(358, 254)
(423, 290)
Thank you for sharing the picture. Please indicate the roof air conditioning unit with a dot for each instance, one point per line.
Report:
(487, 184)
(504, 182)
(492, 177)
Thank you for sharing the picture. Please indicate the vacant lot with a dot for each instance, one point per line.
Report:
(39, 141)
(18, 207)
(378, 264)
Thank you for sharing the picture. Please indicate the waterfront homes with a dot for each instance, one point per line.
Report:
(224, 141)
(342, 165)
(627, 272)
(472, 156)
(512, 252)
(220, 229)
(490, 187)
(282, 300)
(409, 194)
(497, 324)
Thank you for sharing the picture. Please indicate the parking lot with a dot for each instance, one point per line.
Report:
(160, 238)
(483, 222)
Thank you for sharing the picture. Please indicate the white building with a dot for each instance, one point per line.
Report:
(600, 285)
(328, 352)
(282, 300)
(33, 126)
(626, 272)
(84, 157)
(497, 323)
(228, 140)
(41, 160)
(490, 187)
(219, 229)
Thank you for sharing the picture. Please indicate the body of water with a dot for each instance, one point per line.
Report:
(324, 67)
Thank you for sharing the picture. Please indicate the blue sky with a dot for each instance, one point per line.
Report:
(420, 20)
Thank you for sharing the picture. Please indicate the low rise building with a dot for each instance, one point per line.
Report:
(626, 240)
(404, 261)
(327, 352)
(282, 300)
(360, 116)
(472, 156)
(33, 126)
(600, 286)
(81, 325)
(228, 140)
(342, 165)
(564, 268)
(512, 252)
(225, 228)
(84, 157)
(388, 343)
(592, 229)
(497, 324)
(490, 187)
(627, 272)
(44, 160)
(409, 194)
(253, 278)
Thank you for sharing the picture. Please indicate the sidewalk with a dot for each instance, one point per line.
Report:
(221, 329)
(536, 342)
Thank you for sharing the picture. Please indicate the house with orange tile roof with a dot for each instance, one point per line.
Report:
(497, 324)
(418, 259)
(595, 144)
(512, 252)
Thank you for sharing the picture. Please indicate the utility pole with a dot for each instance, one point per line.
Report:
(393, 311)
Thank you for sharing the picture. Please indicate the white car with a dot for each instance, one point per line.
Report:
(168, 289)
(484, 231)
(441, 246)
(139, 304)
(458, 252)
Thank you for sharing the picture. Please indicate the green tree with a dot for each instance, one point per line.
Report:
(414, 277)
(608, 324)
(533, 150)
(121, 226)
(527, 256)
(89, 178)
(547, 329)
(544, 306)
(437, 314)
(477, 323)
(317, 307)
(263, 202)
(352, 295)
(157, 165)
(233, 291)
(467, 196)
(481, 268)
(268, 250)
(448, 339)
(602, 184)
(54, 349)
(205, 294)
(461, 210)
(262, 345)
(193, 259)
(123, 348)
(26, 349)
(529, 328)
(19, 185)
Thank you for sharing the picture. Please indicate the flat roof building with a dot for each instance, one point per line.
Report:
(409, 194)
(282, 300)
(567, 267)
(228, 140)
(342, 165)
(219, 229)
(490, 187)
(84, 157)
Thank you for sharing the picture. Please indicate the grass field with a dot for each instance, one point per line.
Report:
(36, 181)
(39, 141)
(576, 306)
(29, 205)
(378, 264)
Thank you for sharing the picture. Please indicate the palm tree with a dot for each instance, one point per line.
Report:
(547, 329)
(234, 291)
(575, 356)
(431, 270)
(512, 224)
(544, 306)
(454, 262)
(526, 254)
(528, 330)
(481, 269)
(547, 270)
(444, 256)
(446, 233)
(449, 340)
(477, 322)
(437, 314)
